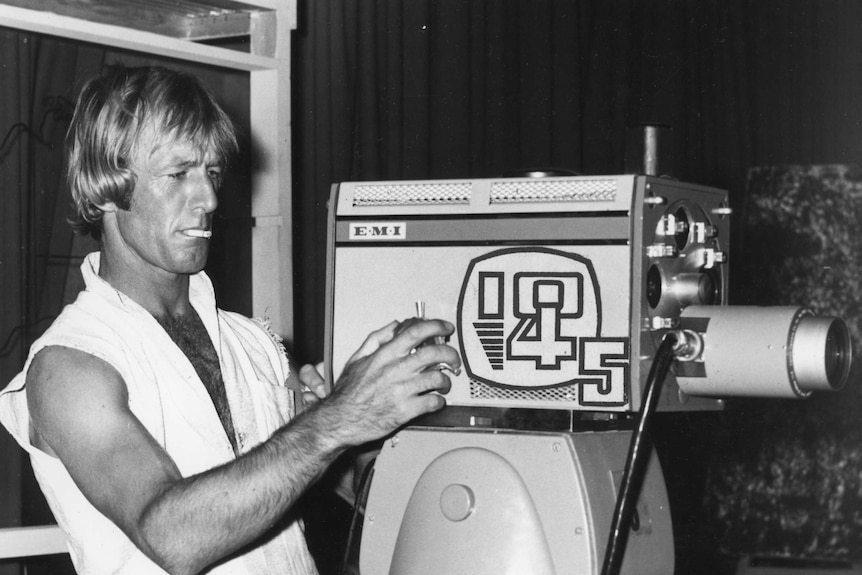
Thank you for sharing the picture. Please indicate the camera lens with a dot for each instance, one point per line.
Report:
(751, 351)
(821, 353)
(838, 354)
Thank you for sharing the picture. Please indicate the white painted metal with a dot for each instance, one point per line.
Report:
(31, 541)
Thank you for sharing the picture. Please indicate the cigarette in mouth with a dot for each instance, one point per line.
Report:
(199, 233)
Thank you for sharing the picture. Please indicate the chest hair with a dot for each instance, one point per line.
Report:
(189, 334)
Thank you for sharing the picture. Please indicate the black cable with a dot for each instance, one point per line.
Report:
(638, 457)
(360, 498)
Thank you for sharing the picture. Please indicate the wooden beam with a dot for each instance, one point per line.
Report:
(186, 19)
(129, 39)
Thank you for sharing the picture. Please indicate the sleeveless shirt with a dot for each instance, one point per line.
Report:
(170, 400)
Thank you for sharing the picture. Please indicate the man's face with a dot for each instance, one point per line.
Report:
(170, 216)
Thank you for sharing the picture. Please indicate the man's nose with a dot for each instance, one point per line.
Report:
(204, 195)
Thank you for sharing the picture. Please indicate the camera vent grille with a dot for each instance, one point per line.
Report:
(518, 192)
(440, 193)
(479, 390)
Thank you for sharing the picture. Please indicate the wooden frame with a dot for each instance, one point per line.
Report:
(172, 29)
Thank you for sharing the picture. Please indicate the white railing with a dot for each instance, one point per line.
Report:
(31, 541)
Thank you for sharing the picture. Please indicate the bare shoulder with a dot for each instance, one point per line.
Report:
(70, 390)
(57, 360)
(64, 376)
(79, 413)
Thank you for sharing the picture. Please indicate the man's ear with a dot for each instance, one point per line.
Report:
(107, 207)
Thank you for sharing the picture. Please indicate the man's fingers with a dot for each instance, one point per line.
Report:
(313, 380)
(309, 399)
(434, 357)
(374, 340)
(426, 403)
(433, 380)
(396, 375)
(413, 333)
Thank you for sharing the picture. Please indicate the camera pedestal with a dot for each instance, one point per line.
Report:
(493, 502)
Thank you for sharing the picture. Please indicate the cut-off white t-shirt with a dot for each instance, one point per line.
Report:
(170, 400)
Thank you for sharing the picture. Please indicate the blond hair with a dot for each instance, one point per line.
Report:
(113, 111)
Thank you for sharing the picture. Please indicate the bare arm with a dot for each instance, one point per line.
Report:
(80, 413)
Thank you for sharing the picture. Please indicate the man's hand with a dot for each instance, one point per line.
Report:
(312, 378)
(312, 384)
(391, 380)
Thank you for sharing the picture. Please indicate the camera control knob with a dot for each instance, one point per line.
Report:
(662, 251)
(712, 257)
(703, 232)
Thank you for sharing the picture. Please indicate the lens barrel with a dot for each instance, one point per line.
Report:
(821, 353)
(764, 352)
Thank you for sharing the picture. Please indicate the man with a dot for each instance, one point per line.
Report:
(162, 429)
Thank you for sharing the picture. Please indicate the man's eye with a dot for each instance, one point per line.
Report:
(178, 175)
(215, 177)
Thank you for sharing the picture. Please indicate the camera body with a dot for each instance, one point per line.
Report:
(561, 288)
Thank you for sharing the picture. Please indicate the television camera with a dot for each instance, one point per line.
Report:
(582, 305)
